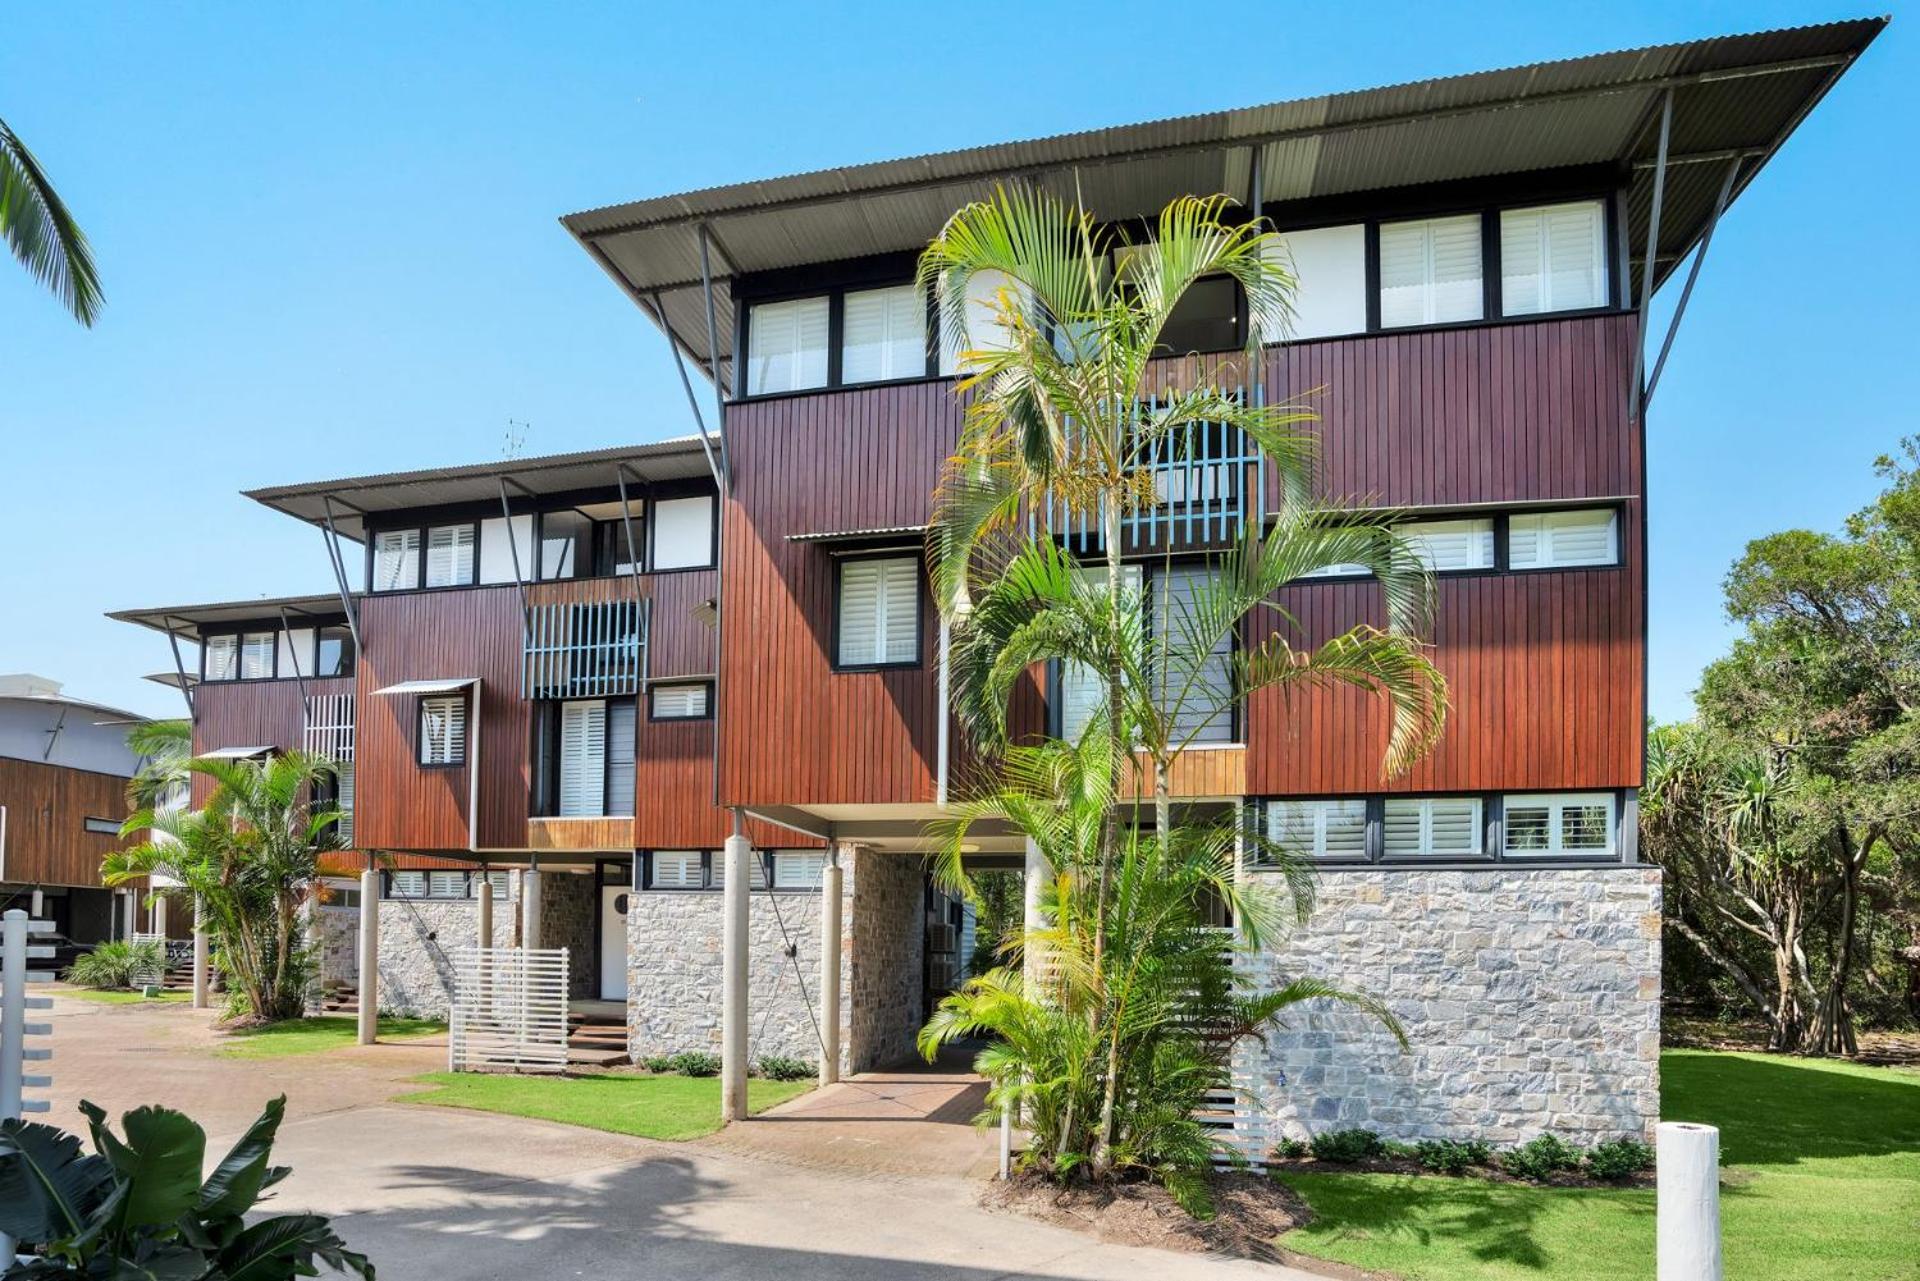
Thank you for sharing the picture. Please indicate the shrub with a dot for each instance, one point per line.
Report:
(1346, 1147)
(658, 1063)
(1293, 1149)
(1537, 1160)
(1619, 1159)
(114, 964)
(779, 1067)
(1452, 1156)
(694, 1063)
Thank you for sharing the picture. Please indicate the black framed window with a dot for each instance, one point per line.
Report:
(680, 701)
(585, 762)
(566, 545)
(333, 652)
(443, 730)
(219, 658)
(877, 619)
(451, 555)
(396, 560)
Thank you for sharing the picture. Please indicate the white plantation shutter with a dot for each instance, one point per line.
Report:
(879, 612)
(407, 885)
(787, 346)
(396, 560)
(756, 859)
(680, 702)
(1430, 271)
(1445, 545)
(1541, 540)
(1332, 829)
(443, 730)
(1553, 258)
(222, 658)
(256, 656)
(446, 884)
(1432, 827)
(682, 532)
(343, 787)
(883, 335)
(797, 869)
(676, 870)
(1568, 824)
(583, 759)
(620, 756)
(985, 329)
(450, 551)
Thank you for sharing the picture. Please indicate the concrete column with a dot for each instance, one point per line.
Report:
(483, 914)
(831, 881)
(160, 915)
(199, 953)
(132, 909)
(369, 954)
(513, 899)
(530, 908)
(733, 975)
(1039, 872)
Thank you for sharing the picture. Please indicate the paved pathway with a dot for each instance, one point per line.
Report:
(440, 1194)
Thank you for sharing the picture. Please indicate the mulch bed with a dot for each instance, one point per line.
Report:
(1250, 1212)
(1492, 1174)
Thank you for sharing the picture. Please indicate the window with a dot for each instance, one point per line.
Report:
(1544, 540)
(879, 612)
(621, 717)
(295, 656)
(406, 884)
(341, 894)
(1572, 825)
(1432, 827)
(717, 870)
(450, 552)
(443, 730)
(883, 335)
(334, 652)
(566, 545)
(677, 870)
(689, 702)
(1332, 829)
(1080, 692)
(506, 548)
(798, 869)
(256, 656)
(434, 884)
(989, 293)
(1430, 271)
(101, 826)
(220, 658)
(1329, 267)
(343, 799)
(583, 759)
(1197, 696)
(1446, 546)
(396, 560)
(1553, 258)
(494, 883)
(683, 532)
(787, 346)
(446, 885)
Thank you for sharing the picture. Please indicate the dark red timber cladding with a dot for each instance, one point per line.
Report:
(796, 732)
(399, 805)
(253, 714)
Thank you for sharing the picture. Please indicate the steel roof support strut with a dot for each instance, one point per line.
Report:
(1693, 274)
(1634, 388)
(180, 670)
(332, 537)
(693, 402)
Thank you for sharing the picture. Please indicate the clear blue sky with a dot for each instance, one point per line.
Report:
(329, 246)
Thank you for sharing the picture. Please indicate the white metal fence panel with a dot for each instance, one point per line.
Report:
(16, 954)
(149, 975)
(509, 1010)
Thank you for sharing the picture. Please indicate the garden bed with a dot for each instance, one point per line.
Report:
(1484, 1173)
(1250, 1211)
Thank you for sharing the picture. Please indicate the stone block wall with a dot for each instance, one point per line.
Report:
(336, 936)
(1531, 997)
(568, 901)
(418, 938)
(887, 960)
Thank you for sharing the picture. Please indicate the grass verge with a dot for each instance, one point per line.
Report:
(1821, 1179)
(111, 996)
(651, 1107)
(316, 1035)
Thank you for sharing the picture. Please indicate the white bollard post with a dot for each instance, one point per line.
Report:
(1688, 1226)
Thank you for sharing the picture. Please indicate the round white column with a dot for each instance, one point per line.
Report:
(1688, 1223)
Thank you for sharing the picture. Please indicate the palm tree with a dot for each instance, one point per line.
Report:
(41, 233)
(251, 856)
(164, 748)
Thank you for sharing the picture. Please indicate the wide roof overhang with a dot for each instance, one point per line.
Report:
(1735, 98)
(353, 499)
(190, 622)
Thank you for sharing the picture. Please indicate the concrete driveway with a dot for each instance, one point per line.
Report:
(441, 1194)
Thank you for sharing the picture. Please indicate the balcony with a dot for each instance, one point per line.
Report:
(1206, 479)
(577, 648)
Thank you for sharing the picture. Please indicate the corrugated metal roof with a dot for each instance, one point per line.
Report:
(186, 621)
(1741, 94)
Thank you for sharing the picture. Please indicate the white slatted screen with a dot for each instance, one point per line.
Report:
(787, 346)
(1430, 271)
(1553, 258)
(450, 553)
(396, 560)
(509, 1010)
(1446, 545)
(879, 611)
(1432, 827)
(1542, 540)
(583, 759)
(883, 335)
(443, 730)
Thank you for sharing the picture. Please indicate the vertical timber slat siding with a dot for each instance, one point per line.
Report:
(47, 808)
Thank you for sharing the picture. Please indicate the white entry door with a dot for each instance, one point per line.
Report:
(613, 942)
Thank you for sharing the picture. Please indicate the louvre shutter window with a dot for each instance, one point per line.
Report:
(343, 787)
(1432, 827)
(1430, 271)
(620, 758)
(256, 656)
(1572, 825)
(450, 551)
(1330, 829)
(879, 612)
(396, 560)
(1545, 540)
(1553, 258)
(406, 885)
(221, 659)
(987, 294)
(583, 759)
(446, 884)
(884, 335)
(1197, 697)
(1446, 546)
(756, 859)
(1079, 691)
(690, 702)
(787, 346)
(443, 730)
(797, 869)
(676, 870)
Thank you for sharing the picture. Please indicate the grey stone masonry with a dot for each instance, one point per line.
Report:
(418, 938)
(568, 901)
(887, 960)
(1530, 996)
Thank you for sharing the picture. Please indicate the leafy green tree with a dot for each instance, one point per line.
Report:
(251, 857)
(40, 232)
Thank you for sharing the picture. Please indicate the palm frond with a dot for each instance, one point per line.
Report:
(40, 232)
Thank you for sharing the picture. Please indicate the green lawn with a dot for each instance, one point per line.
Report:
(110, 996)
(652, 1107)
(1821, 1179)
(314, 1035)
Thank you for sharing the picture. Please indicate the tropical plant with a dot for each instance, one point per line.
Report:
(163, 748)
(136, 1207)
(40, 232)
(117, 963)
(251, 858)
